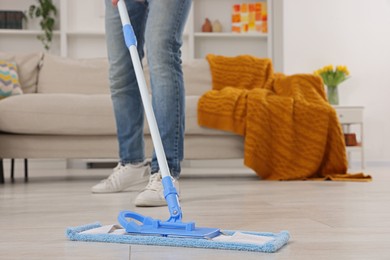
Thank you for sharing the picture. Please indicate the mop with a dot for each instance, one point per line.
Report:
(138, 229)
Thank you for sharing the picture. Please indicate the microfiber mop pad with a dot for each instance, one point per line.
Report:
(231, 240)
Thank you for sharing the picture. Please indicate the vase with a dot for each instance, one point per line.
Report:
(217, 26)
(333, 95)
(207, 26)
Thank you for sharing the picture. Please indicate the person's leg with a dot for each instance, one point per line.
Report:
(164, 29)
(128, 109)
(163, 35)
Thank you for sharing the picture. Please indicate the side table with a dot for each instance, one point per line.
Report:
(348, 116)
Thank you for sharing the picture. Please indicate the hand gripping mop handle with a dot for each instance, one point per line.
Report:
(170, 192)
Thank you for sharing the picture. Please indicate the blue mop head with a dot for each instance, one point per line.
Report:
(274, 241)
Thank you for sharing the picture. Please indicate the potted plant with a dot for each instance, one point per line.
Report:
(46, 11)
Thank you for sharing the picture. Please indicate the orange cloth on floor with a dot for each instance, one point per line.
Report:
(291, 132)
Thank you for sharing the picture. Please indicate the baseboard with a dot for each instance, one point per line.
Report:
(90, 163)
(37, 163)
(111, 163)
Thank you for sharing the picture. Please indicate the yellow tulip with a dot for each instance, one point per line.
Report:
(333, 75)
(343, 69)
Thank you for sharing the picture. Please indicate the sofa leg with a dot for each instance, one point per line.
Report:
(25, 170)
(1, 171)
(12, 170)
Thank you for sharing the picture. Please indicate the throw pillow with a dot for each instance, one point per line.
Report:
(9, 80)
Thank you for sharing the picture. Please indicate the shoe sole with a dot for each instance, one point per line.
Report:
(145, 203)
(150, 204)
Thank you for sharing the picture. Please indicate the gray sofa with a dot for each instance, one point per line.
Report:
(66, 112)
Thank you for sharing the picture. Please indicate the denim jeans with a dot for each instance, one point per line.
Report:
(158, 25)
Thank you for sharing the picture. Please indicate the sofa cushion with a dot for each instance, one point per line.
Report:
(57, 114)
(90, 76)
(9, 80)
(197, 76)
(28, 68)
(75, 114)
(78, 76)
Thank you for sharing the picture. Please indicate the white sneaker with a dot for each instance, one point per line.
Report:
(153, 194)
(123, 177)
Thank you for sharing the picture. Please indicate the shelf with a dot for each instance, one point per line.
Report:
(348, 116)
(86, 33)
(354, 148)
(230, 35)
(347, 107)
(82, 34)
(24, 32)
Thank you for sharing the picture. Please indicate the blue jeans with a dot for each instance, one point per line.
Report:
(158, 24)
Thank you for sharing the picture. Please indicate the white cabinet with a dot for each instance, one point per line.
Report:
(351, 119)
(80, 31)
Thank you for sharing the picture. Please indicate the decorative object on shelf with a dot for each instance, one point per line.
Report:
(47, 11)
(11, 19)
(236, 19)
(207, 26)
(350, 139)
(249, 17)
(264, 24)
(332, 78)
(217, 26)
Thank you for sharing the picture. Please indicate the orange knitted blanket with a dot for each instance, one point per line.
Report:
(291, 132)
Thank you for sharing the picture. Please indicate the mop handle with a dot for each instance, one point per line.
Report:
(170, 192)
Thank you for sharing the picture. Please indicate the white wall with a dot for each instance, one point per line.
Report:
(351, 32)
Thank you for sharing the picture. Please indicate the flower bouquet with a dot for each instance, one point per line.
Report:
(332, 77)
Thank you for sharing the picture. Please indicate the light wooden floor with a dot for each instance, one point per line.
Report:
(327, 220)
